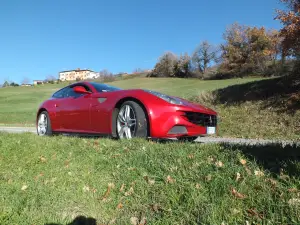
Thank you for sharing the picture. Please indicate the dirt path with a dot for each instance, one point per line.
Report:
(243, 141)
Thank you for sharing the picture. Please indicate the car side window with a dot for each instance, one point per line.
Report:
(59, 94)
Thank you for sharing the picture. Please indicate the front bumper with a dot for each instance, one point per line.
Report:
(175, 121)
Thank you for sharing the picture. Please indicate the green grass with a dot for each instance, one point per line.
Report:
(53, 180)
(18, 105)
(260, 109)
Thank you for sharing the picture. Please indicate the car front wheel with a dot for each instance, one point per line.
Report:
(44, 124)
(131, 121)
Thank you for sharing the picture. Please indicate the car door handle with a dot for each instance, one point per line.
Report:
(55, 105)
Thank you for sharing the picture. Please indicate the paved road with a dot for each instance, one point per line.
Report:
(243, 141)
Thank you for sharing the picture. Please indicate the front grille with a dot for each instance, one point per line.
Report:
(201, 119)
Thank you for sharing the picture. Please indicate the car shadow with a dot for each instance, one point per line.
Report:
(281, 93)
(80, 220)
(275, 158)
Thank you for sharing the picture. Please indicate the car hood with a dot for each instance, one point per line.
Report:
(196, 106)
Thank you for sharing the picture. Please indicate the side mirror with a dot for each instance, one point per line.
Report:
(80, 90)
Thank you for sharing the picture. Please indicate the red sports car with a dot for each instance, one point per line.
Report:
(100, 109)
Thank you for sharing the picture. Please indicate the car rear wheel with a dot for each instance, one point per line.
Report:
(44, 124)
(131, 121)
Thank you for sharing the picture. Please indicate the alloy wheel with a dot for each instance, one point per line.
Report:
(126, 122)
(42, 124)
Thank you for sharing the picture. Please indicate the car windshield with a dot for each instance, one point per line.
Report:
(104, 87)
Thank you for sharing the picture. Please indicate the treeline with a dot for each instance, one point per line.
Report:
(246, 51)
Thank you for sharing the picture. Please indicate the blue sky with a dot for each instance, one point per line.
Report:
(40, 38)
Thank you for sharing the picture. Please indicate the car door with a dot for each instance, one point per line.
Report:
(100, 113)
(58, 98)
(75, 111)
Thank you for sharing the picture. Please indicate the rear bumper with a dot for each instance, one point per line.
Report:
(172, 122)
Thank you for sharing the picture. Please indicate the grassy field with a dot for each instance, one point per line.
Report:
(18, 105)
(54, 180)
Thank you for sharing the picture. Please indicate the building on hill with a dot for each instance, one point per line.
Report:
(76, 74)
(92, 75)
(37, 82)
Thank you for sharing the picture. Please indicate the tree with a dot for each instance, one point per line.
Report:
(182, 68)
(6, 84)
(291, 27)
(13, 84)
(138, 70)
(165, 65)
(105, 73)
(249, 49)
(204, 54)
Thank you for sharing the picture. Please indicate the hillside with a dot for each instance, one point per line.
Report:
(18, 105)
(266, 108)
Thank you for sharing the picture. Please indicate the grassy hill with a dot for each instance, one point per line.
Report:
(248, 107)
(18, 105)
(259, 109)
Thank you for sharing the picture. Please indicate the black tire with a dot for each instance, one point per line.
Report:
(48, 128)
(187, 139)
(141, 129)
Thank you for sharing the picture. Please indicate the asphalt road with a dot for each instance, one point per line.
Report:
(243, 141)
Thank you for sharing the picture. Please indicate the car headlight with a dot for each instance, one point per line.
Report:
(165, 97)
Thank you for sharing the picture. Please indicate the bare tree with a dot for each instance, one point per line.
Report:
(138, 70)
(204, 54)
(50, 78)
(25, 80)
(105, 73)
(165, 65)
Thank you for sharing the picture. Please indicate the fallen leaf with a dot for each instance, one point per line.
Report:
(155, 207)
(238, 176)
(116, 155)
(113, 221)
(254, 213)
(210, 159)
(134, 220)
(43, 159)
(247, 170)
(208, 178)
(67, 163)
(272, 182)
(219, 164)
(38, 176)
(293, 190)
(170, 179)
(294, 201)
(130, 192)
(235, 211)
(149, 181)
(131, 168)
(122, 187)
(191, 156)
(120, 206)
(86, 188)
(237, 194)
(109, 187)
(24, 187)
(143, 221)
(243, 161)
(259, 173)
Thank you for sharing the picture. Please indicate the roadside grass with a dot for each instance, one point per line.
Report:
(260, 109)
(52, 180)
(18, 105)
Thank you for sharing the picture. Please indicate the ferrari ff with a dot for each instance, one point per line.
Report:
(99, 109)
